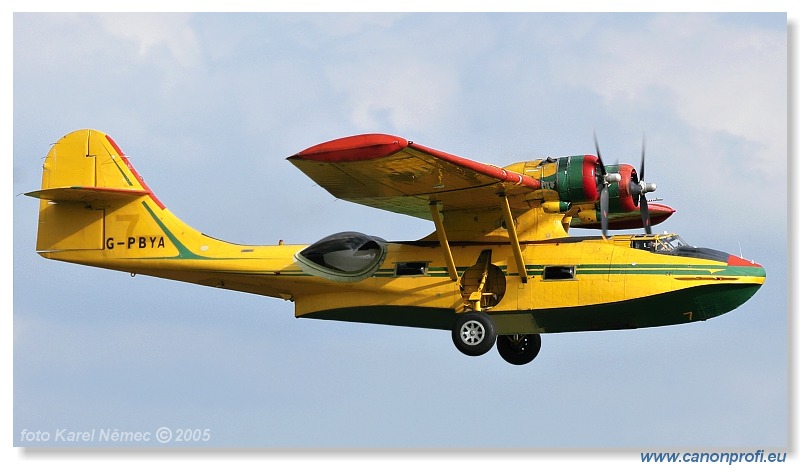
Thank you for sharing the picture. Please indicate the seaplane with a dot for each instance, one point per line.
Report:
(499, 267)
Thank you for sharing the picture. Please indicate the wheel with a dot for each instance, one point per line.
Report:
(473, 333)
(519, 349)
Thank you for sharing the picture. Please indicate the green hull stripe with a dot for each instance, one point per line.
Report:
(720, 270)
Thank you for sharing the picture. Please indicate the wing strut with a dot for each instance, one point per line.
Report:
(448, 254)
(513, 238)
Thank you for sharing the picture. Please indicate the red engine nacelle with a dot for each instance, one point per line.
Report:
(620, 198)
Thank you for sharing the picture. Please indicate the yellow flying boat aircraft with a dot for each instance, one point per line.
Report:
(499, 267)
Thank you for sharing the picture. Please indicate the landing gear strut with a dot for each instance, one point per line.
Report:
(519, 349)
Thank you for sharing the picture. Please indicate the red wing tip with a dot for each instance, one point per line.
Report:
(354, 148)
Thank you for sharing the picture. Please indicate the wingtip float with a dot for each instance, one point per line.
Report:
(499, 267)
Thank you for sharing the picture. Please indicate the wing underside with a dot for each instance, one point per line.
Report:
(397, 175)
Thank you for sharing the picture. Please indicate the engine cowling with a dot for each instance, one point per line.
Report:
(577, 178)
(572, 182)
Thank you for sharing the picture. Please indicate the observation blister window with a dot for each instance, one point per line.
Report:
(344, 257)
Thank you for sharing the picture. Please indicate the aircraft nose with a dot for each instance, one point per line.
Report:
(742, 280)
(754, 269)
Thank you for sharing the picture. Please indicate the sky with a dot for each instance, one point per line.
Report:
(208, 106)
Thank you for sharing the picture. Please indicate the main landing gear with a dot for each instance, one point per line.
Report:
(482, 287)
(474, 334)
(519, 349)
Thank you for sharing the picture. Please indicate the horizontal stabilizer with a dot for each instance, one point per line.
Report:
(86, 194)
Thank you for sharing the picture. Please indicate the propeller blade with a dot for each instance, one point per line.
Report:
(641, 167)
(645, 214)
(599, 158)
(604, 210)
(639, 188)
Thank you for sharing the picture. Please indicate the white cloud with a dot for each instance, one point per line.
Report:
(711, 94)
(341, 25)
(406, 94)
(720, 77)
(152, 31)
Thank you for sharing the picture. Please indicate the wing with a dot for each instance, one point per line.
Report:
(394, 174)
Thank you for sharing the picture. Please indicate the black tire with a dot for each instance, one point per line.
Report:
(474, 334)
(519, 349)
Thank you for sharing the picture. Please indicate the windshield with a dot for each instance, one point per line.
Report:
(669, 243)
(674, 245)
(661, 244)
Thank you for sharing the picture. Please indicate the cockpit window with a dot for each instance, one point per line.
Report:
(343, 257)
(644, 244)
(670, 243)
(665, 244)
(674, 245)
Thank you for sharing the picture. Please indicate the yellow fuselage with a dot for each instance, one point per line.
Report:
(598, 284)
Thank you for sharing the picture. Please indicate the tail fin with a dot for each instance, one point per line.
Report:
(95, 205)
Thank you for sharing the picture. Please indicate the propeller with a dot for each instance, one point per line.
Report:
(638, 188)
(604, 179)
